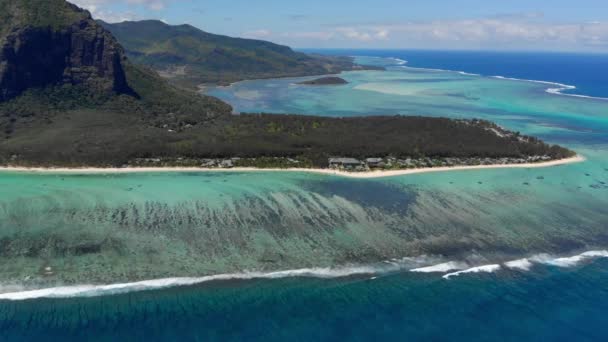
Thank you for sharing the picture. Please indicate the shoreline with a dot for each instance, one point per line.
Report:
(331, 172)
(561, 87)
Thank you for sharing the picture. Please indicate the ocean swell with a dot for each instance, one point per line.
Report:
(478, 269)
(546, 259)
(441, 268)
(104, 290)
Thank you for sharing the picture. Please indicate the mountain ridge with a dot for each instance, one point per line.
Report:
(38, 49)
(192, 56)
(55, 58)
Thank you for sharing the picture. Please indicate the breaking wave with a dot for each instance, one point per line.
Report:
(467, 73)
(545, 259)
(478, 269)
(423, 264)
(557, 88)
(399, 61)
(393, 265)
(103, 290)
(569, 261)
(521, 264)
(441, 268)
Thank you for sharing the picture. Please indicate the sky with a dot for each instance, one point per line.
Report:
(556, 25)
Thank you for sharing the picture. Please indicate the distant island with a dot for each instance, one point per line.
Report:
(70, 96)
(330, 80)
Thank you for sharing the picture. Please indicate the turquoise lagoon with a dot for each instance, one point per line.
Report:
(365, 235)
(107, 228)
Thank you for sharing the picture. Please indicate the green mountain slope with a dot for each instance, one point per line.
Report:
(54, 58)
(190, 55)
(35, 13)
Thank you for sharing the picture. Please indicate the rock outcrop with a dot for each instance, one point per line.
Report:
(80, 52)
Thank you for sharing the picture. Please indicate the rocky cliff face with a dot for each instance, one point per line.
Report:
(82, 52)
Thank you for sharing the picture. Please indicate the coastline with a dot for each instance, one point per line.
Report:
(558, 88)
(331, 172)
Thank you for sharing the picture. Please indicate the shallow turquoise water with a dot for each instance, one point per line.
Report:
(60, 229)
(129, 227)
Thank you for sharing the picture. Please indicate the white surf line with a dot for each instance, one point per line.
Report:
(526, 264)
(89, 290)
(156, 284)
(569, 261)
(520, 264)
(478, 269)
(363, 175)
(555, 91)
(374, 271)
(399, 60)
(441, 268)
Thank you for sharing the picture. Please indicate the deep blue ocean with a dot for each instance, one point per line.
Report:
(546, 303)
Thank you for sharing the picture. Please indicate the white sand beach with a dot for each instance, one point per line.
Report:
(369, 174)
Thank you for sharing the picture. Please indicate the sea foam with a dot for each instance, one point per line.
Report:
(547, 259)
(467, 73)
(556, 89)
(399, 61)
(442, 268)
(569, 261)
(101, 290)
(391, 266)
(478, 269)
(521, 264)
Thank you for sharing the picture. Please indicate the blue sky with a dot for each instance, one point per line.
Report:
(563, 25)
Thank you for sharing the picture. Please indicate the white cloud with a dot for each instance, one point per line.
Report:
(318, 35)
(101, 9)
(156, 5)
(515, 31)
(503, 31)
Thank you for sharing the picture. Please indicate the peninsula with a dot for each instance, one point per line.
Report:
(71, 97)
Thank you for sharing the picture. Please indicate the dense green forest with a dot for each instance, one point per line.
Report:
(114, 138)
(190, 56)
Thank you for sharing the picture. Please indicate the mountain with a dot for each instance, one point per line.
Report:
(189, 55)
(40, 48)
(70, 96)
(54, 58)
